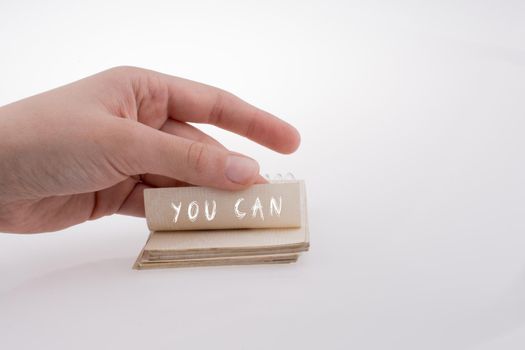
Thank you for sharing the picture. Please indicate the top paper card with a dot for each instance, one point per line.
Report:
(276, 205)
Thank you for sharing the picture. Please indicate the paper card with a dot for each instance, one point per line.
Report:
(276, 205)
(242, 260)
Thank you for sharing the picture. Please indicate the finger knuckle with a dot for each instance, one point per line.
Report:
(124, 70)
(198, 156)
(253, 126)
(222, 99)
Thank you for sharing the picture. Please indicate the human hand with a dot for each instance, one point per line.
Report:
(90, 148)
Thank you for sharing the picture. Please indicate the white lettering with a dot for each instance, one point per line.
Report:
(273, 206)
(257, 206)
(239, 213)
(207, 210)
(177, 211)
(193, 211)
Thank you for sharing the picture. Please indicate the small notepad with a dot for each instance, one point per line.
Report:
(198, 226)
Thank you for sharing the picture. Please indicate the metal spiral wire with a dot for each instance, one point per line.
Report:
(279, 177)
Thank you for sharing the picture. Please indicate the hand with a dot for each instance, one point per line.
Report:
(90, 148)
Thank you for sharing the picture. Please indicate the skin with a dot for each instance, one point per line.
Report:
(90, 148)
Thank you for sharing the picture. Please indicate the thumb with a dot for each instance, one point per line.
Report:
(156, 152)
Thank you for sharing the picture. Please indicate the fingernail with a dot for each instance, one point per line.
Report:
(240, 169)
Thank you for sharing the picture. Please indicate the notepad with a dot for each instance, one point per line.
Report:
(199, 226)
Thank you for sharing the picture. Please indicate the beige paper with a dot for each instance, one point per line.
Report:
(244, 260)
(200, 208)
(230, 246)
(222, 239)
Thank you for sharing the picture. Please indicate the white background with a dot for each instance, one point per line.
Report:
(412, 115)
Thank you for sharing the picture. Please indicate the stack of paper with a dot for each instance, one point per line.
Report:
(197, 226)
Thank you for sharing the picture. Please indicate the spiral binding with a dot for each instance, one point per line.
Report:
(279, 177)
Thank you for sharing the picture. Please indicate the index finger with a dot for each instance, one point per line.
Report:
(191, 101)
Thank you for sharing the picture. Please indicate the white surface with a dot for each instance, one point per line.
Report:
(413, 122)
